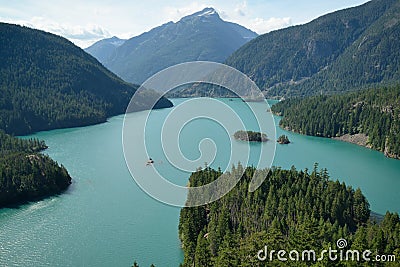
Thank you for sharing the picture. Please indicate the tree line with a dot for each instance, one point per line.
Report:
(373, 112)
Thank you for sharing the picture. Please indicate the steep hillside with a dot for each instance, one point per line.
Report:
(374, 58)
(46, 82)
(200, 36)
(340, 51)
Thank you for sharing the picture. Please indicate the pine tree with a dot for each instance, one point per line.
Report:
(203, 254)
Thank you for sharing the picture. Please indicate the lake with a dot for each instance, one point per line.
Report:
(105, 219)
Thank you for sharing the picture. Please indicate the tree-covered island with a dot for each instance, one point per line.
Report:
(250, 136)
(283, 140)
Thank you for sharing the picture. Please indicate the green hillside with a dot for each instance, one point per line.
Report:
(345, 50)
(46, 82)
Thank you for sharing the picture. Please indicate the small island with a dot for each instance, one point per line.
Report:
(250, 136)
(283, 140)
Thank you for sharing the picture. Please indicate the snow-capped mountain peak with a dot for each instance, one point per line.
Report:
(207, 12)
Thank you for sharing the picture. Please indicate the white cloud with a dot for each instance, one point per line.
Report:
(262, 26)
(82, 36)
(249, 16)
(223, 15)
(241, 9)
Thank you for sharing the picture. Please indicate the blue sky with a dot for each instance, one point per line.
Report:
(85, 22)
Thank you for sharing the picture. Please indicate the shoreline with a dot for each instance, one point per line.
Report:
(358, 139)
(361, 139)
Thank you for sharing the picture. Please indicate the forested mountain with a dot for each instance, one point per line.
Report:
(373, 112)
(26, 174)
(46, 82)
(345, 50)
(292, 210)
(200, 36)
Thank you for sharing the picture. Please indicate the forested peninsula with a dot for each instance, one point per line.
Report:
(25, 173)
(291, 210)
(371, 117)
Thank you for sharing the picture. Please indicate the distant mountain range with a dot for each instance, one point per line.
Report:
(46, 82)
(343, 51)
(200, 36)
(103, 49)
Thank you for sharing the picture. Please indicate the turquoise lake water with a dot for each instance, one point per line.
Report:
(105, 219)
